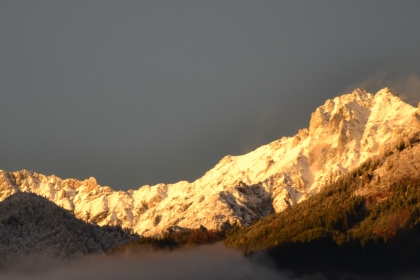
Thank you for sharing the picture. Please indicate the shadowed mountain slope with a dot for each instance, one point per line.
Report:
(32, 227)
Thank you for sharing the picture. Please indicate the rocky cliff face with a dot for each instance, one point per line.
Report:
(416, 118)
(343, 133)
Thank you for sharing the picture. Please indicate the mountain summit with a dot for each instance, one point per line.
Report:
(343, 133)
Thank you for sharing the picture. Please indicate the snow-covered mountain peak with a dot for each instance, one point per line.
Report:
(386, 92)
(343, 132)
(352, 106)
(387, 96)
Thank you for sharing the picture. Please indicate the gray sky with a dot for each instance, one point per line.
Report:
(142, 92)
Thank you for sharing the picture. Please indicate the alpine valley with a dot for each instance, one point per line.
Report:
(240, 190)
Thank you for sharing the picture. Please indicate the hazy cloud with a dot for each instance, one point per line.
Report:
(205, 262)
(407, 86)
(262, 130)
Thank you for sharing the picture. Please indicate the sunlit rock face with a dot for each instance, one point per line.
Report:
(416, 118)
(239, 190)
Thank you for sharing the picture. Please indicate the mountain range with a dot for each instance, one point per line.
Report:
(240, 190)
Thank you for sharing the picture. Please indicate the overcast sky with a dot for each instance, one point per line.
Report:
(142, 92)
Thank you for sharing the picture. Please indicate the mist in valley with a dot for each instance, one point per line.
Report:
(202, 262)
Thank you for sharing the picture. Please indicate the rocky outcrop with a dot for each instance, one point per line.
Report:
(298, 138)
(416, 118)
(239, 190)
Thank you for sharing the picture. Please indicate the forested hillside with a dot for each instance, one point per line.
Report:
(33, 227)
(368, 218)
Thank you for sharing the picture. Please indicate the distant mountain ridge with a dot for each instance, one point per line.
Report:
(343, 133)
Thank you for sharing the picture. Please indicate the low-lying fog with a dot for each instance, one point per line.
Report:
(203, 262)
